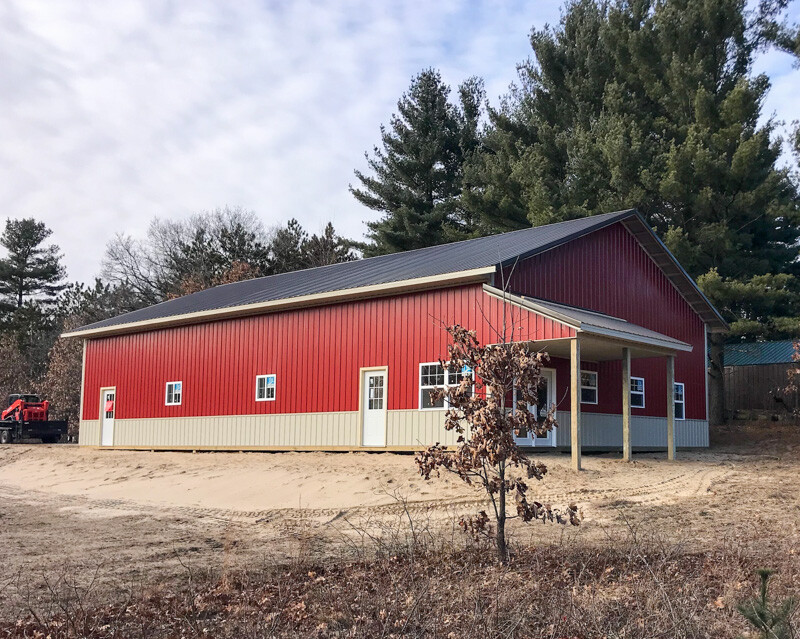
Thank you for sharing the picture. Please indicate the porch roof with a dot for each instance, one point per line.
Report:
(602, 336)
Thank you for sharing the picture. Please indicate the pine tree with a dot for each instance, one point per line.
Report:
(416, 179)
(652, 104)
(327, 248)
(494, 196)
(769, 620)
(30, 270)
(286, 248)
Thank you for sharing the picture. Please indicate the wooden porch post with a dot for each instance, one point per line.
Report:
(670, 407)
(626, 404)
(575, 401)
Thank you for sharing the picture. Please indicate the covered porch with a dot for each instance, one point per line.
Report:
(602, 338)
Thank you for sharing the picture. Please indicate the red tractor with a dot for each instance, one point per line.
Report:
(27, 417)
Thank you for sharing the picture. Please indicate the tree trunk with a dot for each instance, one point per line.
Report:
(500, 539)
(716, 380)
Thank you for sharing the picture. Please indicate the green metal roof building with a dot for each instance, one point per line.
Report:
(756, 379)
(756, 353)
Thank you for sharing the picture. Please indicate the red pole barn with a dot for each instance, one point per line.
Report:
(343, 357)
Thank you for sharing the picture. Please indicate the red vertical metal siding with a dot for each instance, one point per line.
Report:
(608, 271)
(316, 354)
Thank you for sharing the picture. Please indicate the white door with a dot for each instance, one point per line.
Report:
(547, 397)
(373, 408)
(108, 408)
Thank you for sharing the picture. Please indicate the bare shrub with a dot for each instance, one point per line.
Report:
(493, 401)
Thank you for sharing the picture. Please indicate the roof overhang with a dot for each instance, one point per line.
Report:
(680, 279)
(458, 278)
(604, 341)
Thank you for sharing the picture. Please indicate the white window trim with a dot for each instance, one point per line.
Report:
(595, 388)
(266, 386)
(683, 401)
(423, 389)
(447, 384)
(166, 394)
(636, 393)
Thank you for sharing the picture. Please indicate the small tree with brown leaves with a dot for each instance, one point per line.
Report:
(481, 410)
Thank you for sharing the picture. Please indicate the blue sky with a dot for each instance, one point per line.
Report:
(114, 113)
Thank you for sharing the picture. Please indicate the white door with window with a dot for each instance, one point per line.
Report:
(373, 408)
(547, 397)
(108, 408)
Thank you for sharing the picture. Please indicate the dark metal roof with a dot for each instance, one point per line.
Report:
(432, 261)
(754, 353)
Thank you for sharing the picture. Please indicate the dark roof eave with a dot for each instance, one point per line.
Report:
(682, 281)
(622, 215)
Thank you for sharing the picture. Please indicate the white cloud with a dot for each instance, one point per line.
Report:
(113, 113)
(122, 111)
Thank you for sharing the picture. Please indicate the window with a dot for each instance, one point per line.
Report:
(637, 392)
(376, 392)
(109, 405)
(680, 401)
(588, 387)
(454, 377)
(433, 376)
(265, 388)
(174, 393)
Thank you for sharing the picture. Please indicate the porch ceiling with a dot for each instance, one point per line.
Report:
(599, 349)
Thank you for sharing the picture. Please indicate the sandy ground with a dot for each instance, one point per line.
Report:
(70, 516)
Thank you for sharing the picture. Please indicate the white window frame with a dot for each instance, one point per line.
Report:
(423, 389)
(267, 387)
(595, 388)
(166, 394)
(632, 392)
(447, 384)
(675, 402)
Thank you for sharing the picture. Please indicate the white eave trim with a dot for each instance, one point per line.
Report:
(317, 299)
(585, 327)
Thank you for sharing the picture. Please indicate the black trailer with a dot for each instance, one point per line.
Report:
(49, 432)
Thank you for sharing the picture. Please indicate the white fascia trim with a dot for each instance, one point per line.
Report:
(316, 299)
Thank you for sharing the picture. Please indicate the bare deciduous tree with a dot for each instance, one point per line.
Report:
(497, 397)
(202, 250)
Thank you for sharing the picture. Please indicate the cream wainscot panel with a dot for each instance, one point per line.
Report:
(418, 429)
(299, 430)
(89, 432)
(605, 431)
(405, 429)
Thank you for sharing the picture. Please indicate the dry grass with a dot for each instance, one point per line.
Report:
(643, 573)
(424, 586)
